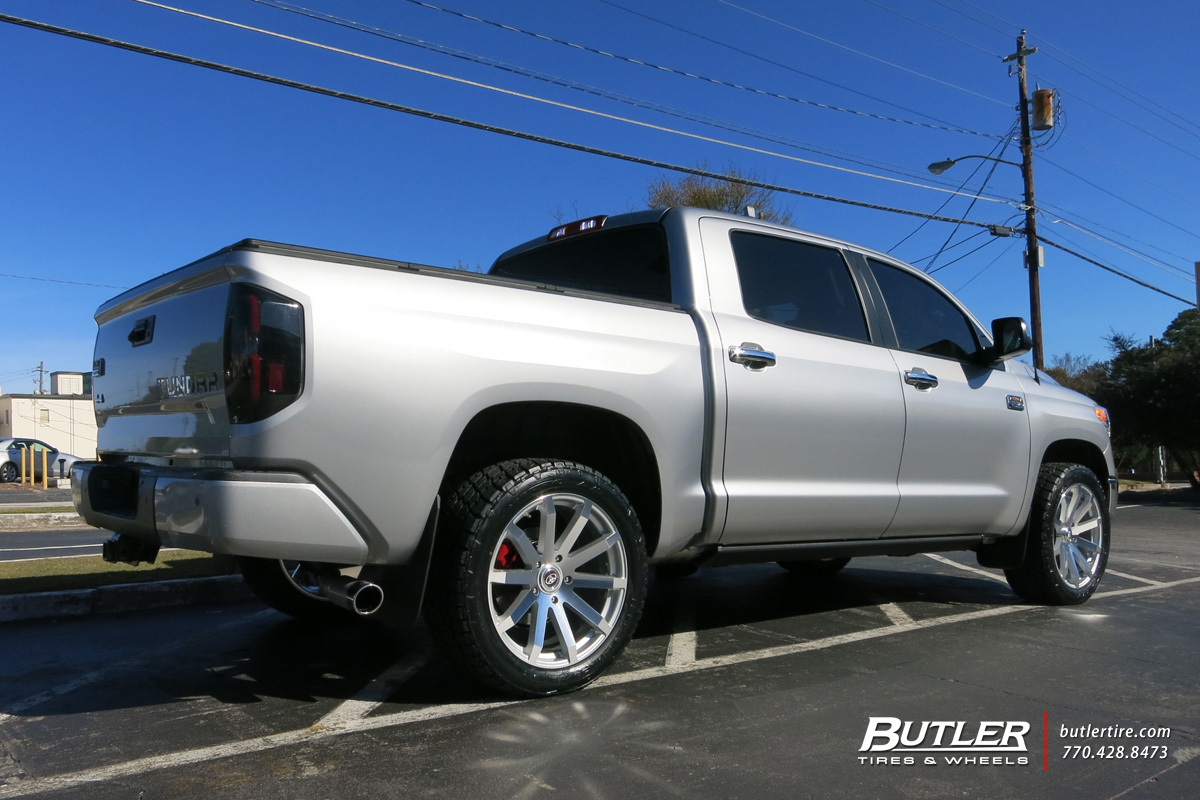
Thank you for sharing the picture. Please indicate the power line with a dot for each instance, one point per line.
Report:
(547, 101)
(56, 280)
(1128, 94)
(855, 51)
(1125, 168)
(388, 106)
(986, 267)
(1124, 120)
(946, 248)
(925, 24)
(282, 5)
(1048, 209)
(1173, 271)
(1114, 271)
(996, 151)
(1011, 25)
(964, 255)
(941, 126)
(466, 123)
(1118, 197)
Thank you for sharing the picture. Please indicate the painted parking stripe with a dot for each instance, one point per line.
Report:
(967, 568)
(681, 648)
(375, 693)
(1132, 577)
(894, 613)
(32, 786)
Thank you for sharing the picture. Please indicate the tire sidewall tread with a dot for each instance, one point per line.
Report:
(1037, 578)
(476, 514)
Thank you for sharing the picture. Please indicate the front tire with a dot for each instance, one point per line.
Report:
(9, 472)
(1069, 532)
(540, 576)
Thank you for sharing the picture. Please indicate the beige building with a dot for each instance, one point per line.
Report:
(66, 422)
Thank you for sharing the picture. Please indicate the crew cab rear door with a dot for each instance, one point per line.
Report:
(966, 446)
(814, 413)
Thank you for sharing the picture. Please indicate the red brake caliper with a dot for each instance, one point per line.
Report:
(506, 557)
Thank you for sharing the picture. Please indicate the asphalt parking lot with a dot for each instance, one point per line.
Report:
(742, 682)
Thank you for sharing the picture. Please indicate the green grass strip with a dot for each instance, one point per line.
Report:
(90, 572)
(51, 510)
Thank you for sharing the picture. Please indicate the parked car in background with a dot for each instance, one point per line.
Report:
(15, 449)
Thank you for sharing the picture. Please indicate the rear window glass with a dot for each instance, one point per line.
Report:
(798, 285)
(627, 262)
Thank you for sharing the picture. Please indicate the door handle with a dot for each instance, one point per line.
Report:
(751, 356)
(143, 332)
(921, 379)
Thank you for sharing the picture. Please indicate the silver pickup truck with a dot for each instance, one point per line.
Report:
(510, 452)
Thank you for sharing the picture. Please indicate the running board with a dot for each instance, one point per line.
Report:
(807, 551)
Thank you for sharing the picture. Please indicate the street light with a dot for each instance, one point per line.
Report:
(1032, 251)
(938, 167)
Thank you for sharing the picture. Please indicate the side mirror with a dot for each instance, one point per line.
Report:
(1011, 337)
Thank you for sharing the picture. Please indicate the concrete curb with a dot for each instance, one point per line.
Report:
(41, 519)
(123, 597)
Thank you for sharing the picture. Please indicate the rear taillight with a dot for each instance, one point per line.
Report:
(264, 353)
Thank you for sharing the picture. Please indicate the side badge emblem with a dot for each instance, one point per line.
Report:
(1016, 402)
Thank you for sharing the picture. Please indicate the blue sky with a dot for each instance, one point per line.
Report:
(118, 166)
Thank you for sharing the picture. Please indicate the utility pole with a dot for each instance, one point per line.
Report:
(41, 377)
(1032, 250)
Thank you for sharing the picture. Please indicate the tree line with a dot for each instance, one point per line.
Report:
(1151, 391)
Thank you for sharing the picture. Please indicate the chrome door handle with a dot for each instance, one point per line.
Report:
(751, 356)
(921, 379)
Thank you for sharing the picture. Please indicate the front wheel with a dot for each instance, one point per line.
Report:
(9, 472)
(540, 576)
(1068, 533)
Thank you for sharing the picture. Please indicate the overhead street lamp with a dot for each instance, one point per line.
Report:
(1032, 251)
(938, 167)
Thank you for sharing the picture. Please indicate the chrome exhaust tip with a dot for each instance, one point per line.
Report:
(362, 597)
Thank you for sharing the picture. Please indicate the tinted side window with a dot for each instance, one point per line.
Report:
(628, 262)
(798, 285)
(926, 321)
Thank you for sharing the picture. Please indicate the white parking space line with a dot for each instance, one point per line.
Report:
(966, 567)
(1132, 577)
(32, 786)
(895, 613)
(373, 695)
(681, 649)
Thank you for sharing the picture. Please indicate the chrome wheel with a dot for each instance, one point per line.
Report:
(1066, 539)
(1079, 536)
(8, 472)
(557, 582)
(538, 576)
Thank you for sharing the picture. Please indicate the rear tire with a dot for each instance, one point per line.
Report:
(539, 576)
(1069, 532)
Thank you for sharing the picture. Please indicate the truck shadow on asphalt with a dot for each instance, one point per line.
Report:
(733, 596)
(292, 673)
